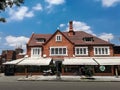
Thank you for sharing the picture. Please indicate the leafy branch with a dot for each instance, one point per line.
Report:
(9, 3)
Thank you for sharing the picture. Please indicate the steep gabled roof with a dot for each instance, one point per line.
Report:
(55, 34)
(76, 39)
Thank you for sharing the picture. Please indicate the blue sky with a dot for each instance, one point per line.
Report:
(97, 17)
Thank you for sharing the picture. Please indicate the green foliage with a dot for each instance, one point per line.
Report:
(2, 20)
(8, 3)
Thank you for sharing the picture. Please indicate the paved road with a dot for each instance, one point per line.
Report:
(47, 85)
(11, 83)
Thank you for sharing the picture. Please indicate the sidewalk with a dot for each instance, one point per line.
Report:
(72, 78)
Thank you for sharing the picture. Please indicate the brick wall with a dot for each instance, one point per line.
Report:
(53, 42)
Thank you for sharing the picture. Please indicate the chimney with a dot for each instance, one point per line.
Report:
(71, 31)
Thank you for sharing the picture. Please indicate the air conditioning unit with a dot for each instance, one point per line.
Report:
(44, 55)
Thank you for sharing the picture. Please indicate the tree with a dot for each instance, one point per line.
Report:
(8, 3)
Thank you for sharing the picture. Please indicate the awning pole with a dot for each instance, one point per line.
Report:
(26, 71)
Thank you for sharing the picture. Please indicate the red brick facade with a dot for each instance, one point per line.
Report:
(71, 40)
(52, 42)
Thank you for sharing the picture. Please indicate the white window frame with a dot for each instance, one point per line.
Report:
(58, 37)
(101, 50)
(36, 52)
(81, 51)
(58, 53)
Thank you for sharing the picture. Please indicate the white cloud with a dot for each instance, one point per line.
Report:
(13, 41)
(62, 25)
(20, 13)
(109, 3)
(38, 7)
(107, 36)
(80, 26)
(54, 2)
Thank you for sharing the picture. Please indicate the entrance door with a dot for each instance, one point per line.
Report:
(58, 66)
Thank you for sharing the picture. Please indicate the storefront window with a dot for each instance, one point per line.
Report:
(69, 69)
(106, 70)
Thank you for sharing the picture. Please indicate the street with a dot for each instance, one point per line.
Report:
(11, 83)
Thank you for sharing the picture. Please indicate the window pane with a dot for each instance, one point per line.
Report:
(77, 50)
(36, 51)
(106, 50)
(99, 49)
(84, 50)
(52, 50)
(64, 50)
(56, 50)
(81, 51)
(58, 38)
(96, 51)
(60, 50)
(103, 51)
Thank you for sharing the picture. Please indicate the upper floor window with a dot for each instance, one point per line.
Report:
(102, 50)
(36, 52)
(88, 39)
(58, 51)
(81, 50)
(41, 40)
(58, 37)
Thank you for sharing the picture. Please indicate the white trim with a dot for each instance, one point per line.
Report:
(101, 50)
(36, 52)
(59, 54)
(58, 37)
(81, 52)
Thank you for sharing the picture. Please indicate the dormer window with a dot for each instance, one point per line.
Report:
(58, 37)
(88, 39)
(40, 40)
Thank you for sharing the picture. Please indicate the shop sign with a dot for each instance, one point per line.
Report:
(102, 68)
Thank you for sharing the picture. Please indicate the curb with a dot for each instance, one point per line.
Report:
(68, 80)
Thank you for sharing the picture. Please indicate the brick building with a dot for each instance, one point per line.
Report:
(10, 55)
(70, 53)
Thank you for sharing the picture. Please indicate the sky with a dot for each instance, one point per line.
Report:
(97, 17)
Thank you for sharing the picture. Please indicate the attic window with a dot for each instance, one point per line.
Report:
(41, 40)
(58, 37)
(88, 39)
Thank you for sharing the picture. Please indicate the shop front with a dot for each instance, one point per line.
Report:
(27, 66)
